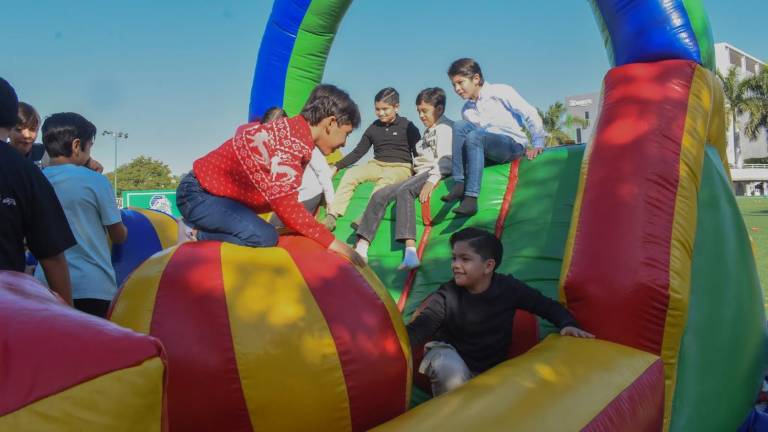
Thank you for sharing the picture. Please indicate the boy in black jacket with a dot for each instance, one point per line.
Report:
(469, 318)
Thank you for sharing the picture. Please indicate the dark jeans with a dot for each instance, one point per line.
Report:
(472, 146)
(90, 306)
(404, 193)
(311, 205)
(222, 219)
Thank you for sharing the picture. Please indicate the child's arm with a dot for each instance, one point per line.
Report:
(56, 272)
(296, 217)
(518, 106)
(537, 303)
(428, 321)
(362, 148)
(118, 233)
(413, 135)
(108, 211)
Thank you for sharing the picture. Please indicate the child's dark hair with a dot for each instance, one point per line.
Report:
(61, 129)
(434, 96)
(483, 242)
(465, 67)
(273, 113)
(9, 105)
(327, 100)
(28, 117)
(388, 96)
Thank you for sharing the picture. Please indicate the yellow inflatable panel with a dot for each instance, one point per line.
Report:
(562, 384)
(127, 400)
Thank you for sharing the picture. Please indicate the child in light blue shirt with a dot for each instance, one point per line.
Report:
(89, 204)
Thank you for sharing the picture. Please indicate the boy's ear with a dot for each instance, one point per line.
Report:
(489, 265)
(77, 146)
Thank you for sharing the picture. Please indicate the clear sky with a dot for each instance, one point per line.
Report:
(176, 75)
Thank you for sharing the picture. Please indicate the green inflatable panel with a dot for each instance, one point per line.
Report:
(716, 364)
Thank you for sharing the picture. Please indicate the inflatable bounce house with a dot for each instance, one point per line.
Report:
(638, 233)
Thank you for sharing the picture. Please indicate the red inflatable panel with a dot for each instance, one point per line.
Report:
(618, 281)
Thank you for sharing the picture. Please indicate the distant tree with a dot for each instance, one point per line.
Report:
(756, 104)
(735, 90)
(143, 173)
(556, 120)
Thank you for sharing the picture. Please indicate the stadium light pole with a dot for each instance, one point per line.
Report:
(115, 135)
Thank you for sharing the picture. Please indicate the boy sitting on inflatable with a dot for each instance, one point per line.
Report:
(260, 170)
(467, 322)
(491, 128)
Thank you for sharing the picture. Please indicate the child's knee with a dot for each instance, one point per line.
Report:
(475, 138)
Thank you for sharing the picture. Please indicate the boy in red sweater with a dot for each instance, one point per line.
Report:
(260, 170)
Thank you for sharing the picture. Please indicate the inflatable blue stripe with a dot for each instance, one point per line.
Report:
(142, 243)
(274, 55)
(648, 31)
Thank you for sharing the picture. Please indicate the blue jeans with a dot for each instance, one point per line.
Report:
(471, 146)
(222, 219)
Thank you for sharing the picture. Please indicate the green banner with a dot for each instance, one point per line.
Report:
(161, 200)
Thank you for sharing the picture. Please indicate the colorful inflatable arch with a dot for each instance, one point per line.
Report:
(636, 260)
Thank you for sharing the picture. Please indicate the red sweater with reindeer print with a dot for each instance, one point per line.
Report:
(262, 167)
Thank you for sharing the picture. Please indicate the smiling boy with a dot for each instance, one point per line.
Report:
(469, 319)
(492, 128)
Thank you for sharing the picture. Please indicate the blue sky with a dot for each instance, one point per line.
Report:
(176, 75)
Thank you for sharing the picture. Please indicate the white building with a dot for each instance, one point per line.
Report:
(726, 56)
(583, 106)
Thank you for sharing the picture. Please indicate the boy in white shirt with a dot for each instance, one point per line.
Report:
(491, 128)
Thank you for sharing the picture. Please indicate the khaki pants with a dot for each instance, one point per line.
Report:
(382, 173)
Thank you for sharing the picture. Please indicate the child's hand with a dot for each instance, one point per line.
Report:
(347, 252)
(426, 191)
(532, 153)
(576, 332)
(94, 165)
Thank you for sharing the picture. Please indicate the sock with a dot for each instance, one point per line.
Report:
(362, 248)
(410, 259)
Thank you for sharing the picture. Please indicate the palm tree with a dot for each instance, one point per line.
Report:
(555, 120)
(756, 104)
(735, 90)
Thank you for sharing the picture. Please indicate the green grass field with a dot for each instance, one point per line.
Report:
(755, 212)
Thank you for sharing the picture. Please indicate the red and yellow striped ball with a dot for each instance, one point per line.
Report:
(63, 370)
(149, 232)
(286, 338)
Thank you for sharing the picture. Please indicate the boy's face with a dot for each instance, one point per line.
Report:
(386, 112)
(332, 135)
(428, 114)
(466, 87)
(469, 268)
(22, 139)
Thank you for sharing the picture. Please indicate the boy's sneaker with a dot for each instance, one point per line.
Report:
(468, 207)
(455, 194)
(330, 222)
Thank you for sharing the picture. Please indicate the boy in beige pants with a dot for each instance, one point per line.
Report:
(394, 141)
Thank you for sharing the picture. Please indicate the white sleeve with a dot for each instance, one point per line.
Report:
(319, 165)
(444, 151)
(515, 104)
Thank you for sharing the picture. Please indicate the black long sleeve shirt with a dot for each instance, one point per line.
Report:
(479, 326)
(395, 142)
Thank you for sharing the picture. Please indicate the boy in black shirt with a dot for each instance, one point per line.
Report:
(29, 209)
(470, 317)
